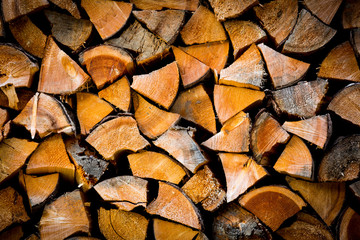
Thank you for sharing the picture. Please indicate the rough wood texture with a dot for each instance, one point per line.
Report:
(13, 233)
(349, 224)
(190, 5)
(13, 9)
(355, 40)
(325, 10)
(68, 5)
(23, 96)
(226, 9)
(164, 230)
(308, 36)
(351, 14)
(284, 71)
(118, 94)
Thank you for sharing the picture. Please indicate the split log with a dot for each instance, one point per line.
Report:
(284, 71)
(155, 165)
(107, 24)
(212, 203)
(68, 5)
(23, 96)
(231, 9)
(229, 100)
(15, 9)
(272, 204)
(309, 35)
(325, 10)
(247, 71)
(170, 202)
(164, 230)
(179, 143)
(202, 28)
(14, 233)
(278, 18)
(118, 94)
(115, 136)
(189, 5)
(355, 40)
(152, 121)
(195, 106)
(351, 14)
(242, 34)
(266, 136)
(349, 225)
(64, 217)
(341, 161)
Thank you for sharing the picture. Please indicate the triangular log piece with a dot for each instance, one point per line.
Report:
(29, 36)
(302, 100)
(278, 18)
(14, 152)
(341, 162)
(23, 97)
(325, 10)
(51, 157)
(117, 224)
(229, 100)
(296, 160)
(351, 14)
(305, 227)
(107, 24)
(241, 173)
(16, 67)
(202, 28)
(68, 30)
(234, 136)
(59, 74)
(164, 230)
(191, 69)
(355, 40)
(180, 144)
(235, 222)
(90, 109)
(349, 225)
(155, 165)
(12, 209)
(160, 86)
(170, 202)
(243, 34)
(126, 192)
(68, 5)
(64, 217)
(284, 71)
(189, 5)
(118, 94)
(355, 189)
(89, 168)
(165, 24)
(272, 204)
(266, 136)
(138, 39)
(247, 71)
(152, 121)
(44, 114)
(340, 64)
(308, 36)
(13, 9)
(13, 233)
(334, 193)
(195, 106)
(226, 9)
(115, 136)
(106, 63)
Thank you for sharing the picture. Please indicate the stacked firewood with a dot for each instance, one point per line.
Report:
(167, 119)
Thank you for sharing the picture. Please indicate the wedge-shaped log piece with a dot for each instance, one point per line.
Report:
(308, 36)
(90, 110)
(355, 40)
(278, 18)
(340, 64)
(14, 152)
(152, 121)
(23, 96)
(64, 217)
(138, 39)
(229, 100)
(325, 10)
(272, 204)
(195, 106)
(118, 94)
(341, 161)
(266, 136)
(12, 209)
(155, 165)
(13, 9)
(44, 114)
(284, 71)
(329, 204)
(68, 5)
(225, 9)
(160, 86)
(115, 136)
(170, 202)
(165, 24)
(241, 173)
(247, 71)
(351, 14)
(59, 74)
(302, 100)
(296, 160)
(234, 136)
(108, 17)
(348, 225)
(180, 144)
(68, 30)
(316, 130)
(118, 225)
(164, 230)
(190, 5)
(243, 34)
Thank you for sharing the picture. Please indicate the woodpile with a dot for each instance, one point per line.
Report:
(167, 119)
